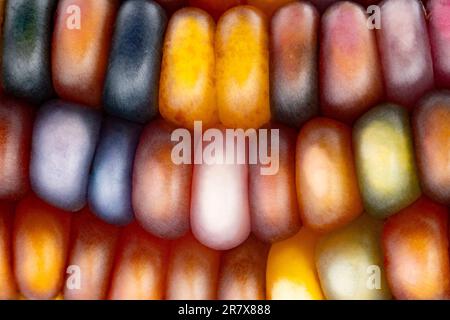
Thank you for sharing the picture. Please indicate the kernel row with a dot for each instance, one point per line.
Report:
(47, 253)
(243, 71)
(324, 176)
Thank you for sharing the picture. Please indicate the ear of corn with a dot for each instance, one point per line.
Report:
(94, 206)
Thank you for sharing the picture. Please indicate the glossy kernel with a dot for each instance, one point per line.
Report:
(220, 213)
(430, 122)
(26, 49)
(294, 63)
(273, 200)
(193, 271)
(350, 71)
(64, 140)
(350, 262)
(92, 254)
(415, 244)
(291, 271)
(187, 85)
(140, 266)
(327, 186)
(16, 121)
(161, 189)
(385, 160)
(81, 42)
(40, 244)
(405, 51)
(132, 80)
(110, 181)
(242, 273)
(242, 68)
